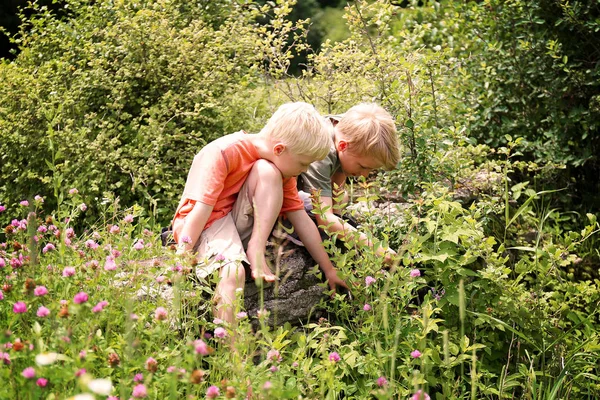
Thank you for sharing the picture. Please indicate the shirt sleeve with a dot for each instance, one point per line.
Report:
(291, 199)
(206, 177)
(318, 177)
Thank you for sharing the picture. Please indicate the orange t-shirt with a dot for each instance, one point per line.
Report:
(217, 174)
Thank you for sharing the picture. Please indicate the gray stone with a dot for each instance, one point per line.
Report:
(296, 295)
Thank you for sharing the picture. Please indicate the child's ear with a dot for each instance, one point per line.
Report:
(278, 149)
(342, 145)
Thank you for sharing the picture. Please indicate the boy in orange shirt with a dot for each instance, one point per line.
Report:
(237, 187)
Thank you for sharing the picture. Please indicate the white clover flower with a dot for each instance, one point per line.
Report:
(46, 358)
(83, 396)
(102, 387)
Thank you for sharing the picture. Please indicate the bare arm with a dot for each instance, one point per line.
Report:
(310, 237)
(194, 225)
(334, 224)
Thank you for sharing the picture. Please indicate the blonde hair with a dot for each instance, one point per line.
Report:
(301, 128)
(372, 131)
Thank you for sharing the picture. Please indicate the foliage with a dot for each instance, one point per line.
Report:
(528, 70)
(120, 96)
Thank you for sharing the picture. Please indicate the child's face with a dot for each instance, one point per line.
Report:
(356, 164)
(291, 164)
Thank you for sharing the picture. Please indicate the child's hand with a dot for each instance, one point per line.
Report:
(388, 255)
(335, 281)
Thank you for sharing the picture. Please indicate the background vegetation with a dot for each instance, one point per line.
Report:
(496, 99)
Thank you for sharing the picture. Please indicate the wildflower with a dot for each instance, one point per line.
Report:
(19, 307)
(70, 233)
(274, 355)
(438, 295)
(48, 247)
(40, 291)
(242, 315)
(102, 387)
(128, 219)
(139, 244)
(1, 295)
(334, 356)
(420, 395)
(42, 312)
(80, 372)
(381, 381)
(24, 203)
(2, 262)
(83, 396)
(160, 314)
(133, 317)
(16, 262)
(367, 307)
(151, 365)
(42, 382)
(73, 191)
(201, 347)
(262, 313)
(112, 398)
(186, 239)
(113, 359)
(140, 391)
(415, 354)
(90, 244)
(219, 257)
(5, 357)
(82, 207)
(268, 385)
(369, 280)
(68, 271)
(80, 298)
(196, 376)
(100, 306)
(160, 279)
(38, 198)
(273, 368)
(212, 392)
(230, 392)
(114, 229)
(28, 373)
(138, 378)
(109, 264)
(220, 332)
(295, 364)
(415, 273)
(217, 321)
(2, 208)
(82, 354)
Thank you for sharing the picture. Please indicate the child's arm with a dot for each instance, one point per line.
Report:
(194, 225)
(334, 224)
(310, 237)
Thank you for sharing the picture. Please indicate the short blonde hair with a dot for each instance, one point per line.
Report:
(372, 131)
(302, 129)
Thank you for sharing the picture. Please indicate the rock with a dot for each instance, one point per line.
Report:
(294, 298)
(468, 189)
(297, 294)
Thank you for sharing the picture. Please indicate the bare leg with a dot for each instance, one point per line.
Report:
(265, 187)
(232, 276)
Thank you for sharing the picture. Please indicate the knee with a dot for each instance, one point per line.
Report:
(266, 171)
(233, 275)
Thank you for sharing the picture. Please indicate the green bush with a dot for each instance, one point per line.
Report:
(118, 97)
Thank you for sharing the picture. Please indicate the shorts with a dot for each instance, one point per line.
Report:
(225, 240)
